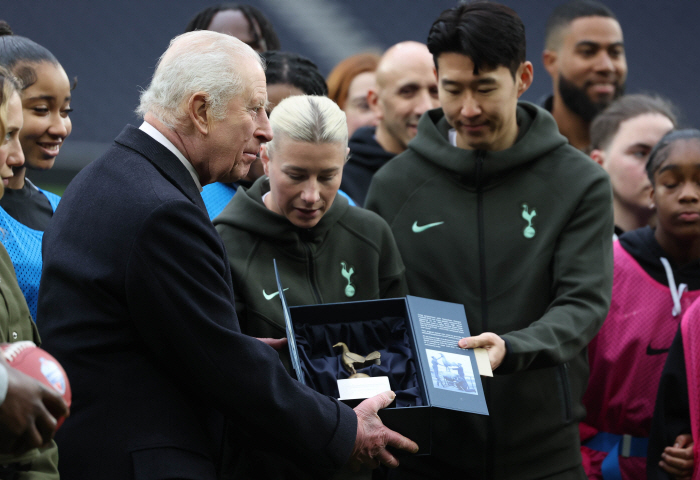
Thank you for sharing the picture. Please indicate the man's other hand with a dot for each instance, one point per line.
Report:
(28, 414)
(373, 437)
(494, 345)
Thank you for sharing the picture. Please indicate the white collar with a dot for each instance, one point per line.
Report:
(160, 138)
(452, 137)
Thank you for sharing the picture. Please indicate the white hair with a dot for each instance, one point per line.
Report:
(199, 61)
(310, 119)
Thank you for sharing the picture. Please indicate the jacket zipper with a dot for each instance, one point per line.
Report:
(482, 242)
(312, 278)
(488, 458)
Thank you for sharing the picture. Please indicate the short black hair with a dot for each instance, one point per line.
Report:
(296, 70)
(659, 154)
(491, 34)
(202, 20)
(566, 13)
(607, 123)
(17, 54)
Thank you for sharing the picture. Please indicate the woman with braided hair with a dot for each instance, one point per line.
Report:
(244, 22)
(291, 74)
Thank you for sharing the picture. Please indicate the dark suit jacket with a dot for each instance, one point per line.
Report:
(136, 303)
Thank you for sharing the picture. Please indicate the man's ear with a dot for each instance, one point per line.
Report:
(198, 111)
(373, 102)
(524, 77)
(265, 159)
(598, 156)
(549, 60)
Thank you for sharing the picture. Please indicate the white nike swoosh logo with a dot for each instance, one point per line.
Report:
(272, 295)
(423, 228)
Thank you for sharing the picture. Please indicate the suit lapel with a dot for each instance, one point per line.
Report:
(163, 159)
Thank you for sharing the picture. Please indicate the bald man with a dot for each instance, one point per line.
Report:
(406, 88)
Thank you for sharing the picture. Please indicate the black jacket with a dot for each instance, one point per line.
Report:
(136, 303)
(366, 157)
(642, 245)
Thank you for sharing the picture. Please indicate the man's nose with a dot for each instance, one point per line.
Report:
(604, 63)
(470, 107)
(264, 129)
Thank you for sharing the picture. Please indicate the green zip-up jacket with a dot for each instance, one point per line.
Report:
(16, 325)
(522, 238)
(349, 255)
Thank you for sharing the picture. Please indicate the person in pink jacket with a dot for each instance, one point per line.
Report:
(656, 278)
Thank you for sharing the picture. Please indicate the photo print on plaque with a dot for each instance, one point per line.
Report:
(449, 371)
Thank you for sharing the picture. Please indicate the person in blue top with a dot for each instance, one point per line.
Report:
(26, 209)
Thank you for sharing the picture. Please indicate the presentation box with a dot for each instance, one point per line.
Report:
(417, 341)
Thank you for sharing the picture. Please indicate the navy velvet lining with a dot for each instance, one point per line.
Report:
(321, 365)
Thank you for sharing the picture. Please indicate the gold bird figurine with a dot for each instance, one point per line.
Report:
(350, 359)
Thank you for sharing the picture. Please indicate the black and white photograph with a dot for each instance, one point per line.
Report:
(451, 372)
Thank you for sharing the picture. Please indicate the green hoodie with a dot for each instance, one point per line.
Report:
(349, 255)
(16, 325)
(522, 238)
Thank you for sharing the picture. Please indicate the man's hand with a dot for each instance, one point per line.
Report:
(678, 459)
(494, 345)
(28, 414)
(373, 437)
(276, 343)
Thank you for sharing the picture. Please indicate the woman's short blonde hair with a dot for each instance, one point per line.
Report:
(309, 119)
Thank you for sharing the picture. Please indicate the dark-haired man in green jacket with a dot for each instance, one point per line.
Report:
(492, 208)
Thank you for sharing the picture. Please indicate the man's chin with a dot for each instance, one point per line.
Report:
(583, 103)
(254, 171)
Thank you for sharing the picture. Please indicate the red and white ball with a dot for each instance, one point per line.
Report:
(31, 360)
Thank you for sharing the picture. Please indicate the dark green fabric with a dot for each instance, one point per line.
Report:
(547, 295)
(16, 325)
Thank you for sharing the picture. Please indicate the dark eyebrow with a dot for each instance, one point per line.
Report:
(592, 44)
(408, 85)
(479, 81)
(675, 167)
(49, 98)
(639, 145)
(667, 168)
(446, 82)
(296, 169)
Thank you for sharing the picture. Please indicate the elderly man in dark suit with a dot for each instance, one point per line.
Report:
(136, 300)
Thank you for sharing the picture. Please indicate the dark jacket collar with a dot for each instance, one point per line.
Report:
(538, 135)
(642, 245)
(163, 159)
(366, 151)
